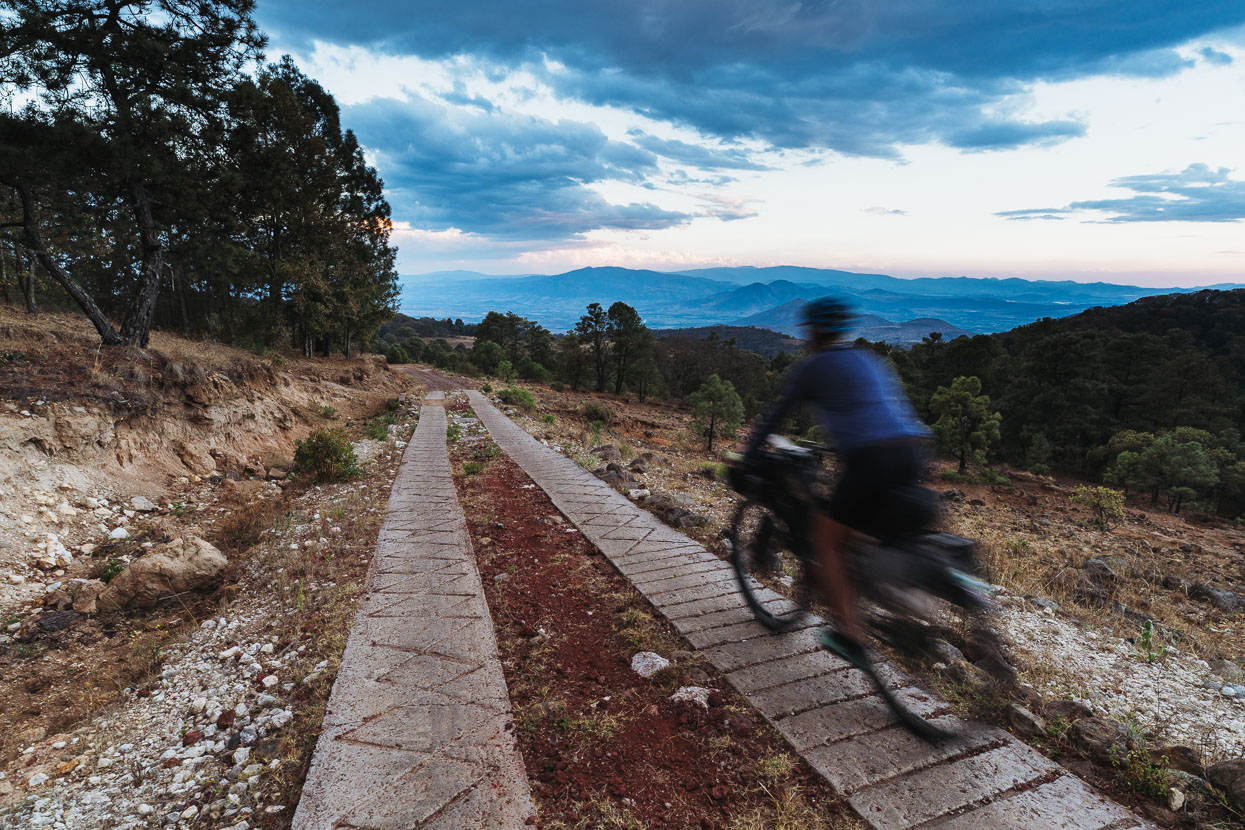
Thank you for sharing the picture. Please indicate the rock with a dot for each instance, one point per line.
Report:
(119, 533)
(1099, 573)
(647, 663)
(1226, 670)
(143, 504)
(60, 600)
(1181, 758)
(1220, 598)
(697, 695)
(638, 465)
(1099, 736)
(977, 502)
(607, 452)
(240, 491)
(962, 671)
(953, 494)
(501, 578)
(186, 564)
(1175, 798)
(196, 458)
(36, 779)
(639, 493)
(1025, 722)
(1229, 776)
(1070, 710)
(85, 601)
(1042, 603)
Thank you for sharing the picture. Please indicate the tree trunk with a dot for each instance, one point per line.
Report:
(712, 427)
(136, 330)
(346, 345)
(34, 241)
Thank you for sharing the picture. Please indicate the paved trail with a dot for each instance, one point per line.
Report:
(986, 780)
(418, 732)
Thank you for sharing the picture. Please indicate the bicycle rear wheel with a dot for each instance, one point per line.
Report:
(764, 556)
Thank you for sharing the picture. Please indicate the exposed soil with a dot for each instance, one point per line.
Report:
(603, 746)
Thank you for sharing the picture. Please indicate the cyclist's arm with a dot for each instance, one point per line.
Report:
(793, 390)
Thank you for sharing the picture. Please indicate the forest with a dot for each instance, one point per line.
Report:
(1146, 397)
(154, 171)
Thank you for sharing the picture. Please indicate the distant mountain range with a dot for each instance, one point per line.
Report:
(766, 297)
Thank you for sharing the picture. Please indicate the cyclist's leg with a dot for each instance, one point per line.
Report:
(833, 577)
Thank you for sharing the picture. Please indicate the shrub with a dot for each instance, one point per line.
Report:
(1107, 505)
(377, 430)
(596, 411)
(517, 397)
(328, 413)
(325, 455)
(397, 354)
(472, 468)
(487, 388)
(548, 418)
(713, 469)
(557, 386)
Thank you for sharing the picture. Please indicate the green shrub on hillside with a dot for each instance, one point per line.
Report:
(325, 455)
(517, 397)
(1107, 505)
(597, 411)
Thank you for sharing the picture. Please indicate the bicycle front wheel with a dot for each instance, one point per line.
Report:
(764, 556)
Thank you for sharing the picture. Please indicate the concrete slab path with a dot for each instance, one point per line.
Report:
(418, 732)
(826, 711)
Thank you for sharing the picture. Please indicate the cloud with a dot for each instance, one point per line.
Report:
(728, 209)
(877, 210)
(507, 176)
(1196, 194)
(700, 156)
(1214, 56)
(859, 77)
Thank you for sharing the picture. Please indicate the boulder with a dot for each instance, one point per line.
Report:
(1222, 599)
(85, 600)
(638, 465)
(187, 564)
(1025, 723)
(1099, 573)
(1070, 710)
(1099, 737)
(607, 452)
(240, 491)
(196, 458)
(1226, 670)
(143, 504)
(1181, 758)
(1229, 776)
(953, 494)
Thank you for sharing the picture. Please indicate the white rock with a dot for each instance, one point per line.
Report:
(119, 533)
(647, 663)
(698, 695)
(145, 809)
(199, 705)
(190, 812)
(241, 754)
(269, 681)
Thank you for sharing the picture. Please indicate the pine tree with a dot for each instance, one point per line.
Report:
(716, 409)
(967, 427)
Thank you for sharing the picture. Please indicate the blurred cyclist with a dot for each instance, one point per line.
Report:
(859, 401)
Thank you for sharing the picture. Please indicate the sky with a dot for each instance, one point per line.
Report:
(1056, 139)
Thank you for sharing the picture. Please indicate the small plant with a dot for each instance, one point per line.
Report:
(1106, 504)
(328, 413)
(548, 418)
(595, 428)
(1058, 727)
(557, 386)
(472, 468)
(492, 451)
(1146, 644)
(712, 469)
(105, 571)
(1139, 771)
(952, 477)
(487, 388)
(626, 451)
(453, 433)
(989, 476)
(517, 397)
(377, 430)
(325, 455)
(1020, 547)
(10, 356)
(596, 411)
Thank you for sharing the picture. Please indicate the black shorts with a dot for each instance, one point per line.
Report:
(863, 498)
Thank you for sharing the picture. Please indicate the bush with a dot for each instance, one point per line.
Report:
(1107, 505)
(548, 418)
(557, 386)
(487, 388)
(325, 455)
(397, 354)
(517, 397)
(472, 468)
(596, 411)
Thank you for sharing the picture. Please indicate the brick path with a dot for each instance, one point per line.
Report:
(986, 780)
(418, 732)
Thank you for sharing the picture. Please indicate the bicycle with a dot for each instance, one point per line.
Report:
(901, 568)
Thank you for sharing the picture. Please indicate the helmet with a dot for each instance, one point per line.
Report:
(828, 317)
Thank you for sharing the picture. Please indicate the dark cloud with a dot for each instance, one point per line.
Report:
(502, 175)
(1196, 194)
(700, 156)
(1215, 56)
(854, 76)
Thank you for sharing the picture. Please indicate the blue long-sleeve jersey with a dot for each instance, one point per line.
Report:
(856, 395)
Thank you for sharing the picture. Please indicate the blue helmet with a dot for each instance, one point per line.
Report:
(828, 317)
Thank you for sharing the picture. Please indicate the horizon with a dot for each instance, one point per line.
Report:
(1089, 143)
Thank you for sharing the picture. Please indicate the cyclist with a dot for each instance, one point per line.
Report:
(859, 401)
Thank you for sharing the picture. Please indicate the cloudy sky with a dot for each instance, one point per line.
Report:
(1083, 139)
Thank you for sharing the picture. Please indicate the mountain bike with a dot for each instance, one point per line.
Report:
(902, 569)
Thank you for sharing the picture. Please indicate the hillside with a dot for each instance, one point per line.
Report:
(787, 318)
(751, 338)
(728, 296)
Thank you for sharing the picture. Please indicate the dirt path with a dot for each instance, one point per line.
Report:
(418, 729)
(433, 380)
(986, 779)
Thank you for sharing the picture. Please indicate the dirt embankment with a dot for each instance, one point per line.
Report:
(84, 431)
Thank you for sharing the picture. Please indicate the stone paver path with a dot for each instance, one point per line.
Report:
(418, 732)
(985, 780)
